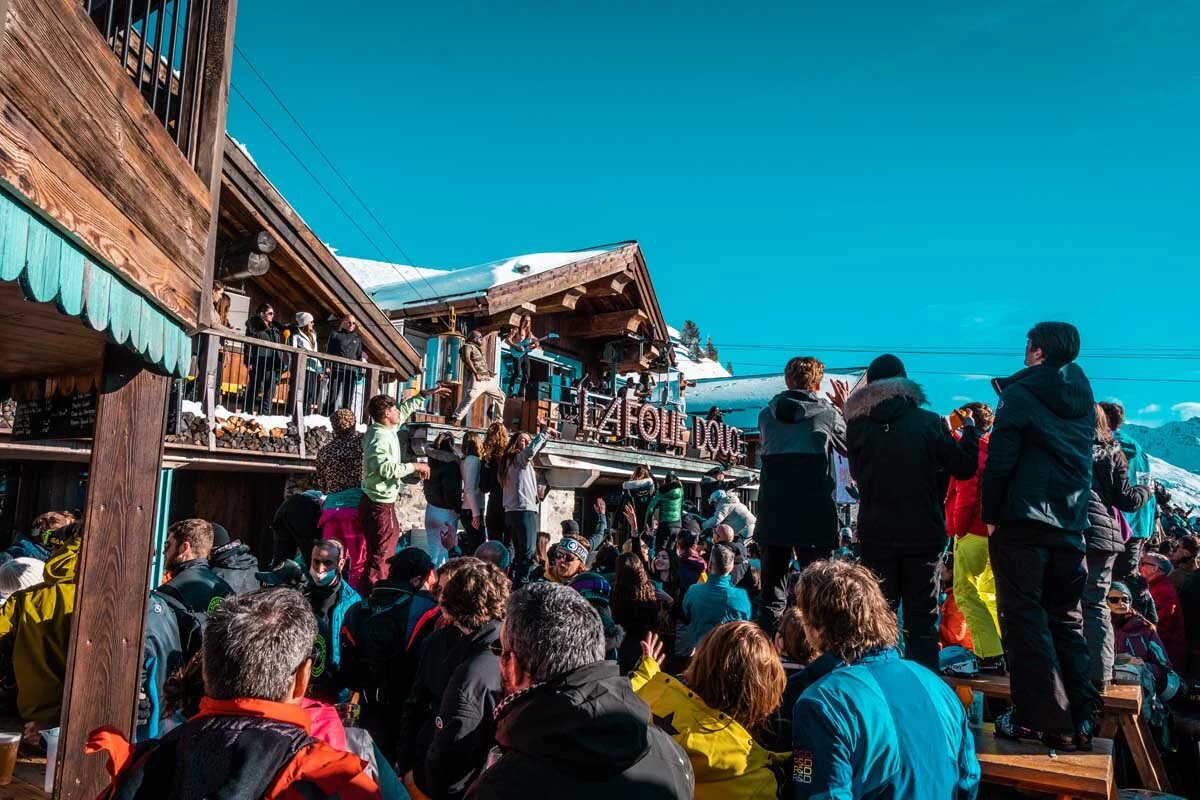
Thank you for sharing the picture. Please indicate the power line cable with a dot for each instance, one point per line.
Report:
(965, 373)
(408, 259)
(317, 180)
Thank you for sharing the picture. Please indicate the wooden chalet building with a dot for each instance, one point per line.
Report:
(598, 319)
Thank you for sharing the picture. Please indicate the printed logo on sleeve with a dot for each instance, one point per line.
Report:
(802, 766)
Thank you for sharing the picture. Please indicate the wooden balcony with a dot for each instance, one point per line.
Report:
(251, 397)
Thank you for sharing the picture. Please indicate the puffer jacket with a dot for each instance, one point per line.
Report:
(726, 760)
(1039, 465)
(236, 565)
(1110, 489)
(36, 623)
(898, 455)
(964, 513)
(242, 749)
(584, 735)
(799, 432)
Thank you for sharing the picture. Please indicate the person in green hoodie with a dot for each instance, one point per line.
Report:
(35, 630)
(668, 504)
(382, 471)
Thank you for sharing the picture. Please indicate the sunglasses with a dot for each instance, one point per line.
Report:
(1117, 599)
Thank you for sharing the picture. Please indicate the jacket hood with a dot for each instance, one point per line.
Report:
(234, 555)
(1064, 390)
(884, 400)
(589, 722)
(61, 568)
(793, 405)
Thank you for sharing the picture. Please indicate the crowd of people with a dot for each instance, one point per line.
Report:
(667, 652)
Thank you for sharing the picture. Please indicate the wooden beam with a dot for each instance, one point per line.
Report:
(210, 148)
(604, 326)
(105, 655)
(563, 302)
(610, 287)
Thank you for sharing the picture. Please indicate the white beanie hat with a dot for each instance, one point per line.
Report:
(303, 319)
(20, 573)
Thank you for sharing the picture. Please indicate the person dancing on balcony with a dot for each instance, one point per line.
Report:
(479, 380)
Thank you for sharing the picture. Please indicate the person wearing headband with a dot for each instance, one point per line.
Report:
(570, 559)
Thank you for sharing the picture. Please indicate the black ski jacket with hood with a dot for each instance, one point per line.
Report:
(236, 565)
(899, 455)
(1039, 466)
(799, 432)
(584, 736)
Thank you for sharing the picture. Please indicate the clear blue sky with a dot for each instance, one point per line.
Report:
(859, 174)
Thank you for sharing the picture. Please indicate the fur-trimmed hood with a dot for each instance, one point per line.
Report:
(865, 401)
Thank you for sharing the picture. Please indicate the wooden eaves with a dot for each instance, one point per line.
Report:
(246, 185)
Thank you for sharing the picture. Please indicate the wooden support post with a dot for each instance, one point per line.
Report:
(210, 130)
(372, 389)
(299, 409)
(105, 656)
(211, 373)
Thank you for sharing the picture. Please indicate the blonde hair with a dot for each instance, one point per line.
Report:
(804, 372)
(842, 602)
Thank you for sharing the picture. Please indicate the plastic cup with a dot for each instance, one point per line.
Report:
(51, 737)
(9, 743)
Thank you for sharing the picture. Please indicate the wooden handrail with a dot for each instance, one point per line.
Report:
(250, 341)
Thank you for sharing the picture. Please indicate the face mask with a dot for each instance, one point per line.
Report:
(322, 578)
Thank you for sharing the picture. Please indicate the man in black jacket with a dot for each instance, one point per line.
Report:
(194, 590)
(899, 454)
(797, 516)
(1036, 488)
(265, 364)
(570, 725)
(233, 561)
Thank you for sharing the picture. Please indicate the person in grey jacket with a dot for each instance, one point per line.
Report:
(732, 512)
(797, 516)
(519, 480)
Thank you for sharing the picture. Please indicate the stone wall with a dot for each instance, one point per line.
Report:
(559, 505)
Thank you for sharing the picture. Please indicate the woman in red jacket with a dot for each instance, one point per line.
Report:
(974, 585)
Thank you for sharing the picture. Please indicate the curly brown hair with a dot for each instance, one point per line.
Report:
(804, 372)
(841, 602)
(737, 671)
(476, 595)
(495, 442)
(631, 586)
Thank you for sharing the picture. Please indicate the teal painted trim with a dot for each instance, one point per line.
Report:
(162, 516)
(50, 268)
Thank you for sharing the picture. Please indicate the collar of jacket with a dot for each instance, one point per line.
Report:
(192, 564)
(863, 401)
(824, 665)
(1000, 384)
(253, 707)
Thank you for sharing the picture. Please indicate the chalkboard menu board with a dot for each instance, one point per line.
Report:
(71, 416)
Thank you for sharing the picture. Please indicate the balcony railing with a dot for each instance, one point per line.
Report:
(160, 44)
(251, 395)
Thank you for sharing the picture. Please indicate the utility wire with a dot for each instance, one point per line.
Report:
(407, 259)
(317, 180)
(963, 373)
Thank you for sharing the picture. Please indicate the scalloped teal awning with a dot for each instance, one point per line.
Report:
(50, 268)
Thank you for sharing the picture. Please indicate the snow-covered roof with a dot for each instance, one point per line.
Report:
(743, 398)
(375, 274)
(423, 285)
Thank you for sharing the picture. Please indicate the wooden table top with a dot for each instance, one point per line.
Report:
(1119, 699)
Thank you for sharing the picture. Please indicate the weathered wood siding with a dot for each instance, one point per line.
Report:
(78, 141)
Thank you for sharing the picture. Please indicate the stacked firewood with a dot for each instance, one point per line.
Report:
(8, 410)
(315, 439)
(240, 433)
(194, 431)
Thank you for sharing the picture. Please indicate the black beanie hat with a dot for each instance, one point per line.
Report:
(884, 367)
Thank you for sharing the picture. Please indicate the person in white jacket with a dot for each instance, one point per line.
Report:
(732, 512)
(473, 497)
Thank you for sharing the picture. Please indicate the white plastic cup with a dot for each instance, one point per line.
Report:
(50, 735)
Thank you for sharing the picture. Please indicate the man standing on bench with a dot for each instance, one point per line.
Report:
(1036, 487)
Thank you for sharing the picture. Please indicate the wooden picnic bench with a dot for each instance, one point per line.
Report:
(1031, 766)
(1122, 711)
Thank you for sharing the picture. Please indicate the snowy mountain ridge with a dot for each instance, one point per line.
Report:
(1176, 443)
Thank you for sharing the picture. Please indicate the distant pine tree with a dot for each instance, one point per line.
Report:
(689, 337)
(710, 350)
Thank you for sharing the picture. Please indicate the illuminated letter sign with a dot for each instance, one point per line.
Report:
(652, 424)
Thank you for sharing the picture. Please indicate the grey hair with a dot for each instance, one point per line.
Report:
(494, 552)
(720, 560)
(551, 630)
(254, 643)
